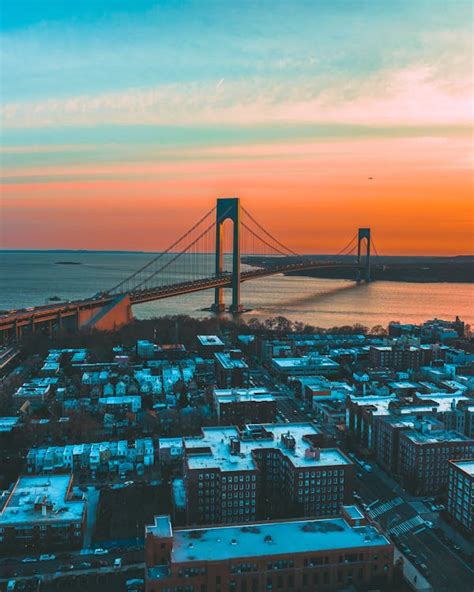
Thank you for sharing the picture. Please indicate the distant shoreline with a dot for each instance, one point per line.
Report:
(429, 270)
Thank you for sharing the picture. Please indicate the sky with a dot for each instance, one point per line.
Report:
(123, 121)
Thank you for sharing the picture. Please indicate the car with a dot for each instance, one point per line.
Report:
(428, 523)
(100, 551)
(118, 563)
(85, 565)
(29, 560)
(47, 557)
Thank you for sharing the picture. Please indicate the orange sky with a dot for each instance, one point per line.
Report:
(312, 196)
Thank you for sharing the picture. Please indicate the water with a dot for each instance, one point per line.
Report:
(30, 278)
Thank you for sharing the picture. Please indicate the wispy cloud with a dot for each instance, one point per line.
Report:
(405, 97)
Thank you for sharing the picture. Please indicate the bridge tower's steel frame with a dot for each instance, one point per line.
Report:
(228, 208)
(364, 236)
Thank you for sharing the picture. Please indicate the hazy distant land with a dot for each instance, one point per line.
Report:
(458, 269)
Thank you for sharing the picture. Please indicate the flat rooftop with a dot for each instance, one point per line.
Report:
(236, 395)
(52, 490)
(217, 442)
(436, 436)
(309, 362)
(380, 404)
(228, 361)
(211, 340)
(467, 466)
(8, 423)
(225, 543)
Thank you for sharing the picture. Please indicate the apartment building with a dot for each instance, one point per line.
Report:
(263, 470)
(285, 556)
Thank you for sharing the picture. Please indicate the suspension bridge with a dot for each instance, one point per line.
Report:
(225, 247)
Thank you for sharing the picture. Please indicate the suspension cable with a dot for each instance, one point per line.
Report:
(166, 265)
(264, 241)
(160, 255)
(289, 251)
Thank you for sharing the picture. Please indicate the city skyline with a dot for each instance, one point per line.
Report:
(120, 128)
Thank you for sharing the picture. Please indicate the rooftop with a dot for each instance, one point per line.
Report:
(436, 436)
(223, 543)
(213, 448)
(8, 423)
(211, 340)
(250, 394)
(51, 492)
(309, 362)
(467, 466)
(229, 360)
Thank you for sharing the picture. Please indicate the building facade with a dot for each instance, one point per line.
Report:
(461, 493)
(424, 455)
(285, 556)
(241, 406)
(40, 514)
(261, 471)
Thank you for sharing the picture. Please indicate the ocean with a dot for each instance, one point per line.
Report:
(31, 278)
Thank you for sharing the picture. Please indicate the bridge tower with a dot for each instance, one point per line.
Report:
(363, 236)
(228, 208)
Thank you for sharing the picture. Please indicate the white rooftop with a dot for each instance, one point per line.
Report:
(243, 394)
(52, 489)
(467, 466)
(225, 543)
(217, 440)
(212, 340)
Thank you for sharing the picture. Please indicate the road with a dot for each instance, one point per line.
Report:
(394, 509)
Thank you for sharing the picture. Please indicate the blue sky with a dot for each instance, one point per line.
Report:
(88, 87)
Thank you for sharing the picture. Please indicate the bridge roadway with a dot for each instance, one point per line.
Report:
(59, 314)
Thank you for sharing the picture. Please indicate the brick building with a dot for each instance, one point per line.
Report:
(424, 454)
(231, 369)
(461, 492)
(240, 406)
(290, 555)
(234, 475)
(40, 514)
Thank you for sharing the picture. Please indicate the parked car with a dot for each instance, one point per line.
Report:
(100, 551)
(47, 557)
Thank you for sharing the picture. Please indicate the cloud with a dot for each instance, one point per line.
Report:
(408, 96)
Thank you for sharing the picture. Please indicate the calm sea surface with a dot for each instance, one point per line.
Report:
(30, 278)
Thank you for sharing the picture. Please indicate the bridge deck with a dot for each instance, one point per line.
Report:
(51, 312)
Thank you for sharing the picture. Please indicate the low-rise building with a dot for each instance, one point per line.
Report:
(104, 457)
(123, 404)
(305, 366)
(240, 406)
(39, 514)
(208, 345)
(231, 369)
(305, 554)
(461, 492)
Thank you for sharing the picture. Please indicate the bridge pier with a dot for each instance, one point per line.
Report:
(363, 237)
(228, 208)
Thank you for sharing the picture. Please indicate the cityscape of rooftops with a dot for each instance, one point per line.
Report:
(236, 296)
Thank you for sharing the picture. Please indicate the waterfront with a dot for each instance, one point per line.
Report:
(30, 278)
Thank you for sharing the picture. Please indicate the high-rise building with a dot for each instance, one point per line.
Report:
(234, 475)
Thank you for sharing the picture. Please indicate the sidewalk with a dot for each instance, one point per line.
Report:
(413, 577)
(456, 537)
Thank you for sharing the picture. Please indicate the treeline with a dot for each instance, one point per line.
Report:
(181, 329)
